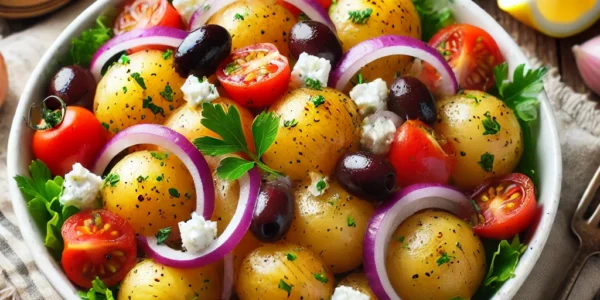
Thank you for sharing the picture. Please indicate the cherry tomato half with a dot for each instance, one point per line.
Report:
(470, 51)
(420, 155)
(255, 76)
(140, 14)
(77, 139)
(507, 206)
(97, 243)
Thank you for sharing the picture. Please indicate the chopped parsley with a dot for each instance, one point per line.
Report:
(84, 47)
(141, 178)
(360, 17)
(159, 155)
(291, 256)
(321, 277)
(458, 245)
(239, 17)
(124, 59)
(112, 179)
(490, 124)
(174, 192)
(314, 84)
(160, 177)
(231, 68)
(359, 78)
(444, 258)
(321, 185)
(105, 125)
(162, 235)
(471, 96)
(124, 90)
(155, 109)
(487, 162)
(317, 100)
(139, 79)
(167, 54)
(167, 93)
(285, 286)
(290, 123)
(351, 222)
(401, 239)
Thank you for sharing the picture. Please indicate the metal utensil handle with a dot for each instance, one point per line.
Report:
(569, 280)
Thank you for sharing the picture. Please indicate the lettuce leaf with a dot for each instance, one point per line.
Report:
(434, 15)
(85, 46)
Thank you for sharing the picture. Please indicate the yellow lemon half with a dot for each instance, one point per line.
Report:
(557, 18)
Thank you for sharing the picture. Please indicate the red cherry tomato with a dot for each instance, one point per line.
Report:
(420, 155)
(506, 206)
(255, 76)
(97, 243)
(140, 14)
(77, 139)
(470, 51)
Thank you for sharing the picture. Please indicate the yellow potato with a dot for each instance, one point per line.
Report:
(154, 191)
(321, 136)
(332, 225)
(461, 119)
(272, 270)
(151, 280)
(121, 101)
(264, 21)
(435, 255)
(358, 281)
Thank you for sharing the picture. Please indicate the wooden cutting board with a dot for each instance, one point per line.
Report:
(17, 9)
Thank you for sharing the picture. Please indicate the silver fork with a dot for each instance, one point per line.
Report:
(587, 232)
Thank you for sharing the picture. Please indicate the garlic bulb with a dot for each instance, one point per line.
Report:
(587, 57)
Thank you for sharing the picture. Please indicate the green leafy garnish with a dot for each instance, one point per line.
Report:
(124, 90)
(291, 256)
(105, 125)
(321, 185)
(458, 298)
(99, 291)
(174, 192)
(504, 262)
(490, 124)
(321, 277)
(232, 67)
(444, 258)
(351, 221)
(159, 155)
(167, 93)
(290, 123)
(360, 79)
(160, 177)
(401, 239)
(228, 126)
(317, 100)
(434, 15)
(85, 46)
(155, 109)
(314, 84)
(487, 162)
(162, 235)
(458, 245)
(112, 179)
(124, 59)
(139, 79)
(285, 286)
(520, 94)
(42, 193)
(141, 178)
(360, 17)
(238, 17)
(167, 54)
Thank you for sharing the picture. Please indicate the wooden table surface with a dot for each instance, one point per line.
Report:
(552, 52)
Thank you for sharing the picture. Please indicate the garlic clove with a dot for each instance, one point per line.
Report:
(587, 57)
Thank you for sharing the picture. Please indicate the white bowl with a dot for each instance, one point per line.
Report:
(20, 154)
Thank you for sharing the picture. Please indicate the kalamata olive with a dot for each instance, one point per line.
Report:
(75, 85)
(274, 210)
(316, 39)
(366, 175)
(411, 99)
(202, 50)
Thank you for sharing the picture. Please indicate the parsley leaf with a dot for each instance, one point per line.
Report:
(520, 94)
(264, 130)
(124, 59)
(291, 256)
(444, 258)
(174, 193)
(167, 54)
(231, 68)
(290, 123)
(139, 79)
(487, 162)
(321, 185)
(112, 179)
(360, 79)
(238, 17)
(504, 262)
(490, 124)
(351, 222)
(360, 17)
(98, 291)
(85, 46)
(321, 277)
(155, 109)
(232, 168)
(162, 235)
(159, 155)
(285, 286)
(141, 178)
(317, 100)
(434, 15)
(167, 93)
(314, 84)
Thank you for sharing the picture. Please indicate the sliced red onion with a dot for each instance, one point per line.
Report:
(157, 35)
(207, 10)
(227, 277)
(391, 214)
(313, 10)
(225, 243)
(383, 46)
(174, 143)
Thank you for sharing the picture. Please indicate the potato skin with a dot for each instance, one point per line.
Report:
(264, 22)
(119, 100)
(323, 134)
(265, 267)
(321, 224)
(358, 281)
(460, 120)
(151, 280)
(146, 202)
(413, 258)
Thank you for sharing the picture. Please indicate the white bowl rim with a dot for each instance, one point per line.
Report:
(54, 274)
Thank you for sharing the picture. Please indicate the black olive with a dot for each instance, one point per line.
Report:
(316, 39)
(75, 85)
(411, 99)
(202, 50)
(366, 175)
(274, 210)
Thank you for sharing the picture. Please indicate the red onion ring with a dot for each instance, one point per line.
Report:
(228, 277)
(176, 144)
(313, 10)
(225, 243)
(157, 35)
(373, 49)
(207, 10)
(391, 214)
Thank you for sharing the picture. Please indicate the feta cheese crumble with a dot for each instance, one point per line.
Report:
(310, 66)
(318, 184)
(186, 8)
(370, 97)
(197, 233)
(377, 134)
(81, 188)
(348, 293)
(198, 91)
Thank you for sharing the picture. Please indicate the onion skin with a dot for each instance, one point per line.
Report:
(587, 57)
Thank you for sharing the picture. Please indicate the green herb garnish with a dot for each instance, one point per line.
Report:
(167, 93)
(232, 67)
(490, 124)
(520, 94)
(360, 17)
(112, 179)
(321, 277)
(160, 177)
(139, 79)
(317, 100)
(174, 192)
(85, 46)
(487, 162)
(444, 258)
(124, 59)
(124, 90)
(321, 185)
(290, 123)
(285, 286)
(159, 155)
(238, 17)
(141, 178)
(351, 221)
(99, 291)
(291, 256)
(504, 262)
(155, 109)
(167, 54)
(105, 125)
(162, 235)
(434, 15)
(313, 84)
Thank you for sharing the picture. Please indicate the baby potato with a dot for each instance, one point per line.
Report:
(121, 99)
(397, 17)
(485, 133)
(151, 280)
(284, 271)
(332, 225)
(154, 190)
(358, 281)
(263, 21)
(435, 255)
(312, 137)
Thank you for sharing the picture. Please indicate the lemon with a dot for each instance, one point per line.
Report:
(557, 18)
